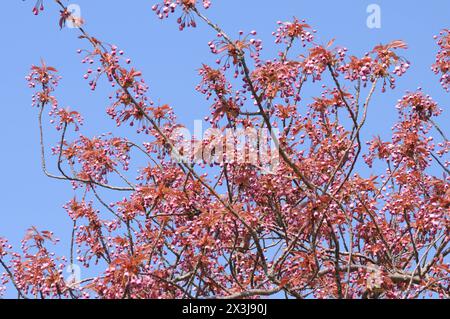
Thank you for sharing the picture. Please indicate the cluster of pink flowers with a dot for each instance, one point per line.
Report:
(163, 10)
(358, 69)
(421, 105)
(233, 52)
(442, 65)
(329, 98)
(47, 78)
(131, 87)
(4, 246)
(411, 146)
(292, 30)
(97, 156)
(65, 117)
(277, 78)
(320, 58)
(36, 271)
(386, 58)
(377, 149)
(381, 63)
(213, 82)
(110, 61)
(88, 236)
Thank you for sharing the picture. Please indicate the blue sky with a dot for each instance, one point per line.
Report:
(169, 60)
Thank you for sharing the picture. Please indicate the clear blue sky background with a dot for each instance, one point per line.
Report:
(169, 60)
